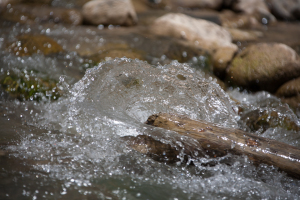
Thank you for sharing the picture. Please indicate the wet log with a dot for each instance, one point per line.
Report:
(210, 141)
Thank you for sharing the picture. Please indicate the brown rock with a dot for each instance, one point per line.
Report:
(264, 66)
(289, 89)
(221, 59)
(27, 45)
(116, 12)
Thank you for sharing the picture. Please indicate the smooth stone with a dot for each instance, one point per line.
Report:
(287, 9)
(290, 88)
(264, 66)
(206, 34)
(115, 12)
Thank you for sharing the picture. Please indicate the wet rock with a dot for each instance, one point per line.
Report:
(221, 59)
(264, 66)
(27, 45)
(188, 28)
(288, 9)
(257, 120)
(289, 89)
(255, 7)
(290, 93)
(206, 35)
(116, 12)
(40, 14)
(210, 4)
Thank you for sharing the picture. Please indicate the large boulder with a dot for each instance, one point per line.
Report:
(287, 9)
(115, 12)
(264, 66)
(207, 35)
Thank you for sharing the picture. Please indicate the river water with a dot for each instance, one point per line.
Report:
(72, 148)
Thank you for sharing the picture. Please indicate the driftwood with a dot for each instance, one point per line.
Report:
(214, 141)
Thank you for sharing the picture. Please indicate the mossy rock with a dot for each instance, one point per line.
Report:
(26, 45)
(24, 86)
(262, 120)
(264, 66)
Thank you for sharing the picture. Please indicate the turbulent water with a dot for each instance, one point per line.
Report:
(73, 148)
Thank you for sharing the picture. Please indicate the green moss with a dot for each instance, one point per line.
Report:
(29, 87)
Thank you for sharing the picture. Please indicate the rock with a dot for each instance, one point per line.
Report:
(257, 120)
(287, 9)
(243, 35)
(290, 88)
(264, 66)
(221, 59)
(210, 4)
(24, 13)
(116, 12)
(206, 35)
(27, 45)
(290, 93)
(255, 7)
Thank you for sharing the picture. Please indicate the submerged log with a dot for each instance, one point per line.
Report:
(211, 141)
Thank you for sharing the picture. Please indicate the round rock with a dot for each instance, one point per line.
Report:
(115, 12)
(207, 35)
(264, 66)
(290, 88)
